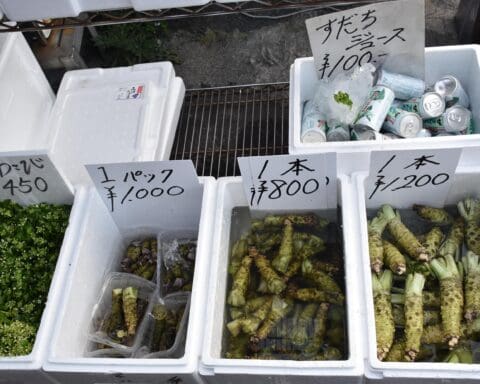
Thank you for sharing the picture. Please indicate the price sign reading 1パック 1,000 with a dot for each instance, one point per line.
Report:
(30, 178)
(290, 182)
(140, 190)
(411, 176)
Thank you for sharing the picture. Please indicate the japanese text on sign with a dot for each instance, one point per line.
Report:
(29, 178)
(140, 192)
(290, 182)
(391, 34)
(408, 177)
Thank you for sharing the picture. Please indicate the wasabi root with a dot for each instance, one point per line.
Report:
(384, 325)
(322, 280)
(130, 297)
(236, 297)
(285, 253)
(434, 215)
(280, 308)
(275, 283)
(375, 231)
(470, 211)
(319, 330)
(403, 236)
(432, 241)
(393, 258)
(413, 315)
(452, 244)
(451, 296)
(472, 285)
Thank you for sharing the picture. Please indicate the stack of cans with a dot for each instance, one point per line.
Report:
(401, 106)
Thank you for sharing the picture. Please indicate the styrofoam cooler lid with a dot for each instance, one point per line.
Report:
(26, 97)
(107, 116)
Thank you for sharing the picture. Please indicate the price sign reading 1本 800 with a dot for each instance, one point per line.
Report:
(289, 182)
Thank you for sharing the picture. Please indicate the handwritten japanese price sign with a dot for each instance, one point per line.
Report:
(411, 177)
(391, 34)
(147, 193)
(290, 182)
(31, 178)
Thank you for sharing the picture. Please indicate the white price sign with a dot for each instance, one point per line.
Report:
(148, 193)
(411, 177)
(31, 178)
(290, 182)
(391, 34)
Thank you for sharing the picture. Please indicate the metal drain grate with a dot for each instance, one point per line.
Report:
(217, 125)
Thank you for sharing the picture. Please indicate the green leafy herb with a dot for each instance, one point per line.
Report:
(343, 98)
(30, 241)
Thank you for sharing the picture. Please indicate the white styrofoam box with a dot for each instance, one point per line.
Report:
(218, 370)
(26, 10)
(27, 369)
(26, 97)
(461, 61)
(466, 183)
(96, 120)
(97, 252)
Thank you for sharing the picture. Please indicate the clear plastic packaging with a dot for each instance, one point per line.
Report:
(140, 257)
(121, 339)
(176, 263)
(176, 307)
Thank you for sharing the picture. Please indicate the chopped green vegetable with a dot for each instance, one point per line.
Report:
(343, 98)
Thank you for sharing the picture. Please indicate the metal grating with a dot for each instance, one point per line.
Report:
(218, 125)
(212, 8)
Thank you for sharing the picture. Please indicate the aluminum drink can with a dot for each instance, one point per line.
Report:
(428, 106)
(424, 133)
(455, 119)
(404, 87)
(402, 123)
(375, 110)
(314, 126)
(451, 89)
(336, 131)
(360, 133)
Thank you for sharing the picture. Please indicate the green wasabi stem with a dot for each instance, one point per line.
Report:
(472, 285)
(319, 330)
(470, 211)
(275, 283)
(434, 215)
(343, 98)
(402, 235)
(237, 347)
(307, 220)
(280, 308)
(430, 299)
(312, 295)
(306, 245)
(393, 258)
(16, 338)
(460, 355)
(253, 321)
(115, 319)
(322, 280)
(130, 297)
(285, 253)
(432, 241)
(329, 353)
(159, 314)
(299, 333)
(452, 244)
(413, 315)
(236, 297)
(429, 317)
(384, 325)
(375, 231)
(239, 251)
(451, 295)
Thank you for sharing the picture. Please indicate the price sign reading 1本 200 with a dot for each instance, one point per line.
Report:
(290, 182)
(142, 189)
(410, 177)
(29, 178)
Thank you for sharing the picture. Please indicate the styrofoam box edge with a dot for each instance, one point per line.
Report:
(374, 368)
(189, 362)
(172, 115)
(47, 323)
(357, 152)
(353, 367)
